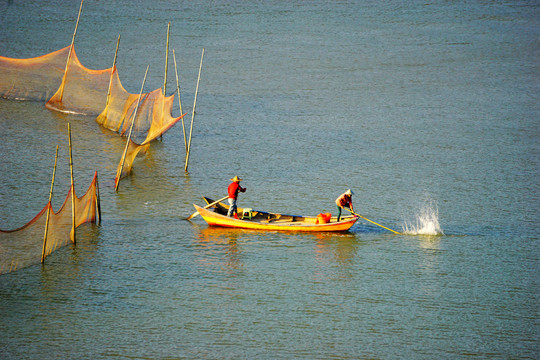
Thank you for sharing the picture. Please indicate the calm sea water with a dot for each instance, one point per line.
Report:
(427, 110)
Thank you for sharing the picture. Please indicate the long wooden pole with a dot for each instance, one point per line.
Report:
(165, 79)
(179, 100)
(70, 51)
(112, 71)
(98, 200)
(119, 173)
(166, 61)
(193, 112)
(373, 222)
(72, 235)
(49, 205)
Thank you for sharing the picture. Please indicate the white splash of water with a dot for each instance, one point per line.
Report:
(427, 222)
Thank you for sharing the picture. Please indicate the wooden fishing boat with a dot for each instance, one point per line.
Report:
(261, 220)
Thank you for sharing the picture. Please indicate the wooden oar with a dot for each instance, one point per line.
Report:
(206, 207)
(373, 222)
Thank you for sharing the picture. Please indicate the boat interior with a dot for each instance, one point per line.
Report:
(266, 217)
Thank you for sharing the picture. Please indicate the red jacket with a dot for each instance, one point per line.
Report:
(234, 188)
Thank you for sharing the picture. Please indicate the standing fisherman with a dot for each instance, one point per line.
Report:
(233, 189)
(343, 200)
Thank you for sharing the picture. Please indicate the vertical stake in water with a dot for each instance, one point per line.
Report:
(49, 206)
(98, 200)
(112, 72)
(166, 60)
(179, 100)
(70, 51)
(165, 80)
(72, 235)
(121, 168)
(193, 111)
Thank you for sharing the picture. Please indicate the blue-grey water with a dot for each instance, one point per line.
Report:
(420, 107)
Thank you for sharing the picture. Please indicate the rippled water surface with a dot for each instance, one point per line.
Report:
(427, 110)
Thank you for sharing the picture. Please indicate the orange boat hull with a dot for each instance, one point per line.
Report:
(307, 224)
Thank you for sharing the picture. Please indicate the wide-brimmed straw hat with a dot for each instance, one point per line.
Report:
(349, 192)
(236, 178)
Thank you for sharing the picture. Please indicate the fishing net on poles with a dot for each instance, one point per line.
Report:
(73, 88)
(82, 90)
(154, 115)
(153, 119)
(124, 167)
(34, 78)
(23, 247)
(70, 88)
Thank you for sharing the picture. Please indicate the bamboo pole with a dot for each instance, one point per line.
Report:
(112, 72)
(49, 206)
(165, 79)
(119, 173)
(193, 112)
(98, 200)
(72, 234)
(166, 61)
(179, 100)
(371, 221)
(70, 51)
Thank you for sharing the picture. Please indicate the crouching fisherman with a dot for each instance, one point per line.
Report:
(344, 200)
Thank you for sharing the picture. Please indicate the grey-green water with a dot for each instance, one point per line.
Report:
(413, 105)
